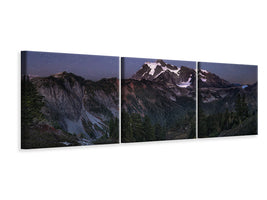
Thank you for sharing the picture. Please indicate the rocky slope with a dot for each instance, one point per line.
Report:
(78, 106)
(208, 79)
(162, 104)
(216, 94)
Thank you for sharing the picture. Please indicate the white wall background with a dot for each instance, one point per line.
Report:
(219, 31)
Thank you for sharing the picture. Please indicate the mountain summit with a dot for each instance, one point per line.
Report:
(172, 75)
(208, 79)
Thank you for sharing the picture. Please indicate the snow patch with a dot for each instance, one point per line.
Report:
(153, 66)
(244, 86)
(84, 141)
(210, 99)
(65, 143)
(185, 84)
(204, 79)
(176, 71)
(203, 70)
(172, 98)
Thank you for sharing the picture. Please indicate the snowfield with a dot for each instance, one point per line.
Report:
(153, 65)
(185, 84)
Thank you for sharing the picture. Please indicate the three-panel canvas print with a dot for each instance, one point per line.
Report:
(75, 100)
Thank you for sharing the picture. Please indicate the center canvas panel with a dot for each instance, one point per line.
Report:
(158, 99)
(69, 100)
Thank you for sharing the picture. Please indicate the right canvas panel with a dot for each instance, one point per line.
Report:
(227, 99)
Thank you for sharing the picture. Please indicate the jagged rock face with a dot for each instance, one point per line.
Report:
(79, 106)
(171, 75)
(217, 95)
(162, 104)
(62, 93)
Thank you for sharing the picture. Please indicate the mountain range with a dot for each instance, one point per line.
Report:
(214, 90)
(65, 109)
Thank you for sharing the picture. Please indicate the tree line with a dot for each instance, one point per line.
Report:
(114, 128)
(31, 104)
(213, 125)
(138, 129)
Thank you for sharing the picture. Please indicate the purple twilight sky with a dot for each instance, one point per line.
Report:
(88, 66)
(234, 73)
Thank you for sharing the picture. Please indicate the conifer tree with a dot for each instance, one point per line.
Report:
(114, 128)
(148, 131)
(126, 129)
(241, 109)
(202, 124)
(159, 132)
(31, 104)
(137, 127)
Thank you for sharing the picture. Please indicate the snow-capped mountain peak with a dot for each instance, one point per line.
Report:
(151, 70)
(162, 67)
(160, 71)
(152, 66)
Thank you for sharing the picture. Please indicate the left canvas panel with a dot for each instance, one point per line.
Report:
(68, 99)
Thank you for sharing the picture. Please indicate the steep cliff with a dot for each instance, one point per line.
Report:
(77, 106)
